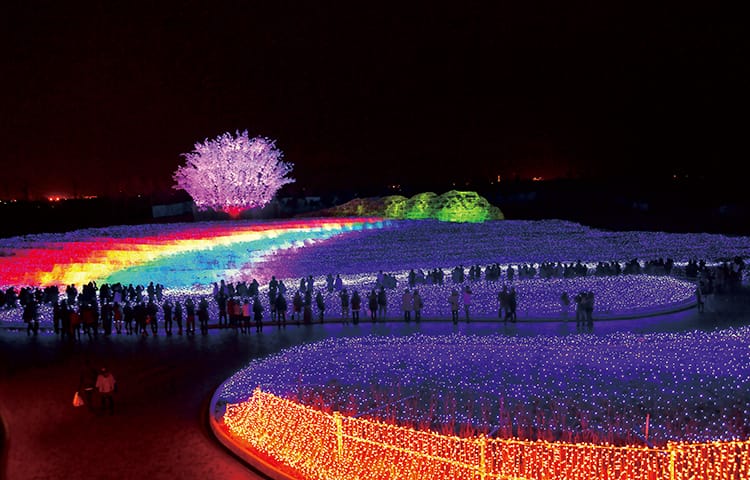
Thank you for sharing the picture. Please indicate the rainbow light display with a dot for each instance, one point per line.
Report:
(320, 445)
(162, 255)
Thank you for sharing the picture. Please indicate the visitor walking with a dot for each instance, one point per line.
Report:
(105, 385)
(31, 317)
(297, 307)
(178, 316)
(417, 305)
(190, 316)
(356, 305)
(466, 298)
(281, 308)
(502, 298)
(382, 303)
(245, 318)
(258, 314)
(372, 305)
(344, 296)
(578, 300)
(223, 303)
(589, 302)
(565, 304)
(321, 304)
(87, 383)
(167, 309)
(338, 284)
(203, 315)
(453, 300)
(152, 314)
(407, 304)
(117, 316)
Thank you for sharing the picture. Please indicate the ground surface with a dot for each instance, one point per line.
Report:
(158, 429)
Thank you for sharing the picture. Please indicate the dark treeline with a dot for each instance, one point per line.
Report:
(26, 217)
(671, 205)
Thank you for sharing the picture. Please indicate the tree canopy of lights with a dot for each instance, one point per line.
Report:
(233, 173)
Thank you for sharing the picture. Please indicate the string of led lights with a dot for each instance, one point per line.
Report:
(322, 445)
(393, 407)
(689, 386)
(133, 259)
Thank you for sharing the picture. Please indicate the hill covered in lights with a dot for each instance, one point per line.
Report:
(451, 206)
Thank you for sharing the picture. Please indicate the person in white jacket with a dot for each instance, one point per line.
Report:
(105, 385)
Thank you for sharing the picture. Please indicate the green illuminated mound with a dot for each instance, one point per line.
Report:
(452, 206)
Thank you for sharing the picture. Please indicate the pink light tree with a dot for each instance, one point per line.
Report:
(233, 173)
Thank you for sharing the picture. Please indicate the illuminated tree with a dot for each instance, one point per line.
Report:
(455, 206)
(421, 206)
(233, 173)
(395, 206)
(452, 206)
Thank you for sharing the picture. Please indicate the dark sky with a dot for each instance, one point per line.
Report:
(105, 96)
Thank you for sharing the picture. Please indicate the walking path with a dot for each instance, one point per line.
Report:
(159, 428)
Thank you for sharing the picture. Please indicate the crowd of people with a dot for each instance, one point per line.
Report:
(495, 272)
(145, 310)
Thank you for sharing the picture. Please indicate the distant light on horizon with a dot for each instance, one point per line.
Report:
(62, 197)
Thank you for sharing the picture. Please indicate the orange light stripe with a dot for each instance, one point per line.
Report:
(320, 445)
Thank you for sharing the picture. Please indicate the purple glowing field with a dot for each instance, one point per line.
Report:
(358, 252)
(687, 386)
(691, 386)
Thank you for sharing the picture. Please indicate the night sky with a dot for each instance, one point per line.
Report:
(101, 97)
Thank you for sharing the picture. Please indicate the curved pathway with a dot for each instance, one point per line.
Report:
(159, 428)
